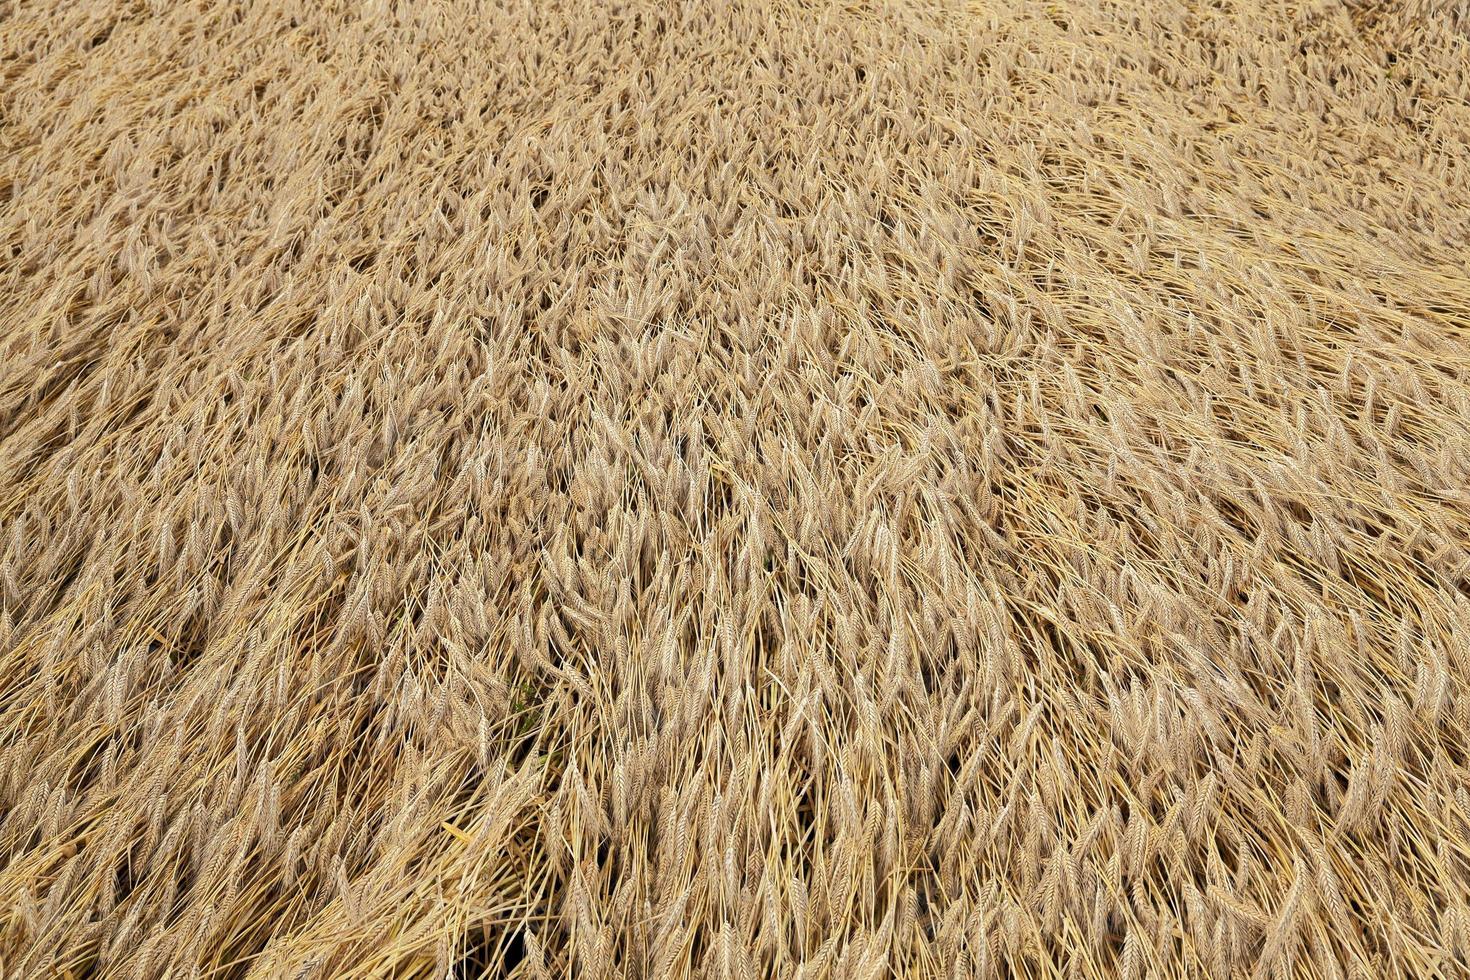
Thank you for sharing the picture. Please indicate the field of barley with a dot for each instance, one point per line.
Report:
(811, 489)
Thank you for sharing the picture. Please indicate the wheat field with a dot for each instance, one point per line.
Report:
(744, 488)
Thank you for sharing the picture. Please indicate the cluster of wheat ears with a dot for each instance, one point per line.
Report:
(734, 488)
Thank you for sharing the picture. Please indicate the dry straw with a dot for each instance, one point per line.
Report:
(734, 489)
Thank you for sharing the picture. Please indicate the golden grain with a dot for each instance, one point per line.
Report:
(934, 488)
